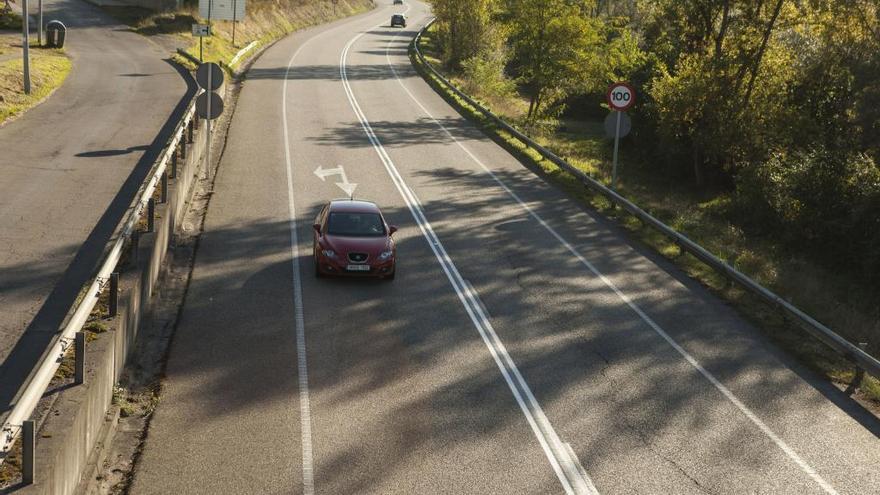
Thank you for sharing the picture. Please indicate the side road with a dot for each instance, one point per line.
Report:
(68, 171)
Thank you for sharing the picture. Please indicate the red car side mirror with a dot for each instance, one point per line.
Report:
(392, 229)
(317, 228)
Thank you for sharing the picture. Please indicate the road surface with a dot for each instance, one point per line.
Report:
(526, 346)
(70, 168)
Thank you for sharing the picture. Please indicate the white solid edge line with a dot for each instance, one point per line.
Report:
(806, 468)
(242, 52)
(566, 469)
(302, 364)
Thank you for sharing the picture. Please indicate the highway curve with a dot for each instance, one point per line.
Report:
(527, 346)
(69, 169)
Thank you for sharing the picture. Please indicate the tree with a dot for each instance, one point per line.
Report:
(718, 99)
(556, 50)
(464, 28)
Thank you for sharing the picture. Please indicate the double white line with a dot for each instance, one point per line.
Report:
(572, 476)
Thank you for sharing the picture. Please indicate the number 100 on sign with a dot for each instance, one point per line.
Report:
(621, 96)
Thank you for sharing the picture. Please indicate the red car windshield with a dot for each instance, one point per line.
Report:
(355, 224)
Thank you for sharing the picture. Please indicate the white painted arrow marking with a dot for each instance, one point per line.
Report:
(345, 185)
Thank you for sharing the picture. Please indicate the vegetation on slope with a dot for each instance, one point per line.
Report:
(755, 133)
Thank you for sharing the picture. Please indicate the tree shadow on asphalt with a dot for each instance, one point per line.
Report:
(354, 72)
(610, 384)
(326, 72)
(382, 53)
(399, 133)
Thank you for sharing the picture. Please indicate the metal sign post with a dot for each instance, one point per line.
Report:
(616, 145)
(40, 23)
(209, 105)
(25, 45)
(208, 121)
(620, 97)
(209, 91)
(233, 23)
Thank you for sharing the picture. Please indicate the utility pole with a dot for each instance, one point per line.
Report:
(233, 22)
(40, 24)
(25, 46)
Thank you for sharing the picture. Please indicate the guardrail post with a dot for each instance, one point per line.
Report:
(79, 355)
(151, 214)
(135, 240)
(681, 250)
(860, 373)
(189, 134)
(174, 156)
(114, 294)
(164, 197)
(27, 452)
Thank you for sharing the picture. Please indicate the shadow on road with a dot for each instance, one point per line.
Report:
(103, 153)
(397, 133)
(43, 329)
(374, 342)
(326, 72)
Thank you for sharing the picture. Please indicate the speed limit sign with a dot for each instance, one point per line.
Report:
(621, 96)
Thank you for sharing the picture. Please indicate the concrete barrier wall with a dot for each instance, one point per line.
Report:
(67, 438)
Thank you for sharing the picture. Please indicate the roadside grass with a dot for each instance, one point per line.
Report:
(49, 68)
(829, 297)
(269, 21)
(266, 21)
(11, 468)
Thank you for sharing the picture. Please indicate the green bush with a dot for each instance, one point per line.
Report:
(9, 19)
(819, 201)
(484, 74)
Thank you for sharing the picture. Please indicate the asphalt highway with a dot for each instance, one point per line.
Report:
(69, 169)
(526, 345)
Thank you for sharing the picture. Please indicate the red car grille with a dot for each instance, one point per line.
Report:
(357, 257)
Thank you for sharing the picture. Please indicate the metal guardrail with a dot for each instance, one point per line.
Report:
(45, 370)
(187, 55)
(848, 350)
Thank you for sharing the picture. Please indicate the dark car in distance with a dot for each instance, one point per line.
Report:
(398, 2)
(352, 238)
(398, 20)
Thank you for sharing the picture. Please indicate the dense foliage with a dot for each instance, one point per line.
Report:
(775, 101)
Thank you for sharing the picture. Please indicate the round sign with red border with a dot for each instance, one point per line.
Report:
(621, 96)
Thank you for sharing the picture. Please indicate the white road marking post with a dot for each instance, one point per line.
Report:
(573, 479)
(792, 455)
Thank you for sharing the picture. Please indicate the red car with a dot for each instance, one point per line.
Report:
(352, 238)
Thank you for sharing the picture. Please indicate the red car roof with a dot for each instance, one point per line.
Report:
(353, 206)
